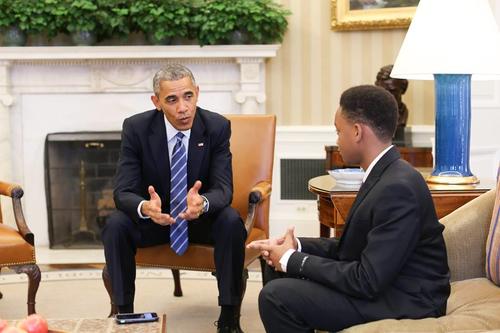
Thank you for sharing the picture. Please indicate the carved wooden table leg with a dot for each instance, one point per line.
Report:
(107, 284)
(177, 283)
(34, 276)
(326, 216)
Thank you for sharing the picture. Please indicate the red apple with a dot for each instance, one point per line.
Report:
(34, 324)
(3, 325)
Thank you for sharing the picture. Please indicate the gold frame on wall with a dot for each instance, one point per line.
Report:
(343, 18)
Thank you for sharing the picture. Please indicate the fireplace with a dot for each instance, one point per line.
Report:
(79, 171)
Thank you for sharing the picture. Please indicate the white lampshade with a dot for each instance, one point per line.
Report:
(450, 37)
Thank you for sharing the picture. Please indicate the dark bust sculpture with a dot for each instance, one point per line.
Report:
(397, 87)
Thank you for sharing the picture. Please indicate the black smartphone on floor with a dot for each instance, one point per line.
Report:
(131, 318)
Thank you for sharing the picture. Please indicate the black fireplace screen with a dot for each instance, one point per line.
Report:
(79, 171)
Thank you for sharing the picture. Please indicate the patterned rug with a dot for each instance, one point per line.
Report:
(79, 293)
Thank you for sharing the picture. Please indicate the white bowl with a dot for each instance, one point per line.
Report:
(348, 176)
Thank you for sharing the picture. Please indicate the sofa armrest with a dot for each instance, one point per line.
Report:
(465, 233)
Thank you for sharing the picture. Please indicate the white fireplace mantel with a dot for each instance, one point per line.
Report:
(124, 68)
(54, 53)
(72, 88)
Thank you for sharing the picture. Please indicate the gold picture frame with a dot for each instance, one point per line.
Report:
(344, 18)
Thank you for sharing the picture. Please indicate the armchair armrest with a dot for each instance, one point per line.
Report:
(259, 193)
(16, 192)
(465, 234)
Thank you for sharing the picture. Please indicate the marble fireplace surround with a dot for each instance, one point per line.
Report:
(68, 89)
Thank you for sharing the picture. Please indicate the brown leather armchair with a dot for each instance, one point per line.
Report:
(252, 147)
(17, 250)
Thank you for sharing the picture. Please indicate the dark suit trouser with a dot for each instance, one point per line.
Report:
(295, 305)
(121, 237)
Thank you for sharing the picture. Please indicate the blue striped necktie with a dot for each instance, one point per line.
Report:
(178, 194)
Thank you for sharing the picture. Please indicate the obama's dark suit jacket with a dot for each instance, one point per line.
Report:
(144, 161)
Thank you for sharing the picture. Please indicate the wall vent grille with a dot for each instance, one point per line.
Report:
(295, 173)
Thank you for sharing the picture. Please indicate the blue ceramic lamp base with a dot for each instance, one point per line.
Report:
(452, 180)
(453, 117)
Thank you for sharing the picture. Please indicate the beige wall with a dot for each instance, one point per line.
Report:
(315, 64)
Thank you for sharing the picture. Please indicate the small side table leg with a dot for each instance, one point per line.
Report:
(324, 231)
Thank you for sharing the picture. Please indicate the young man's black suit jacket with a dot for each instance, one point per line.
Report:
(391, 259)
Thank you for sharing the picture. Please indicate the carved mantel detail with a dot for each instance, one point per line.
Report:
(6, 100)
(250, 95)
(5, 97)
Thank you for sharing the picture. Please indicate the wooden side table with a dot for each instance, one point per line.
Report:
(334, 201)
(416, 156)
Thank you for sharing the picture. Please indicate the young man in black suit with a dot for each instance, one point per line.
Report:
(144, 182)
(391, 260)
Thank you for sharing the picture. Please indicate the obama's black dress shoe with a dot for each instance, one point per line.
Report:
(228, 329)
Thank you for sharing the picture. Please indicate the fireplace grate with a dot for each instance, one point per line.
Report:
(79, 171)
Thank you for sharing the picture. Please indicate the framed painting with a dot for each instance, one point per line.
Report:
(372, 14)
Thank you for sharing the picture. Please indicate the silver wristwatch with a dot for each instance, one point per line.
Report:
(205, 205)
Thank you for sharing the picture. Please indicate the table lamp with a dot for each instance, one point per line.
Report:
(452, 42)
